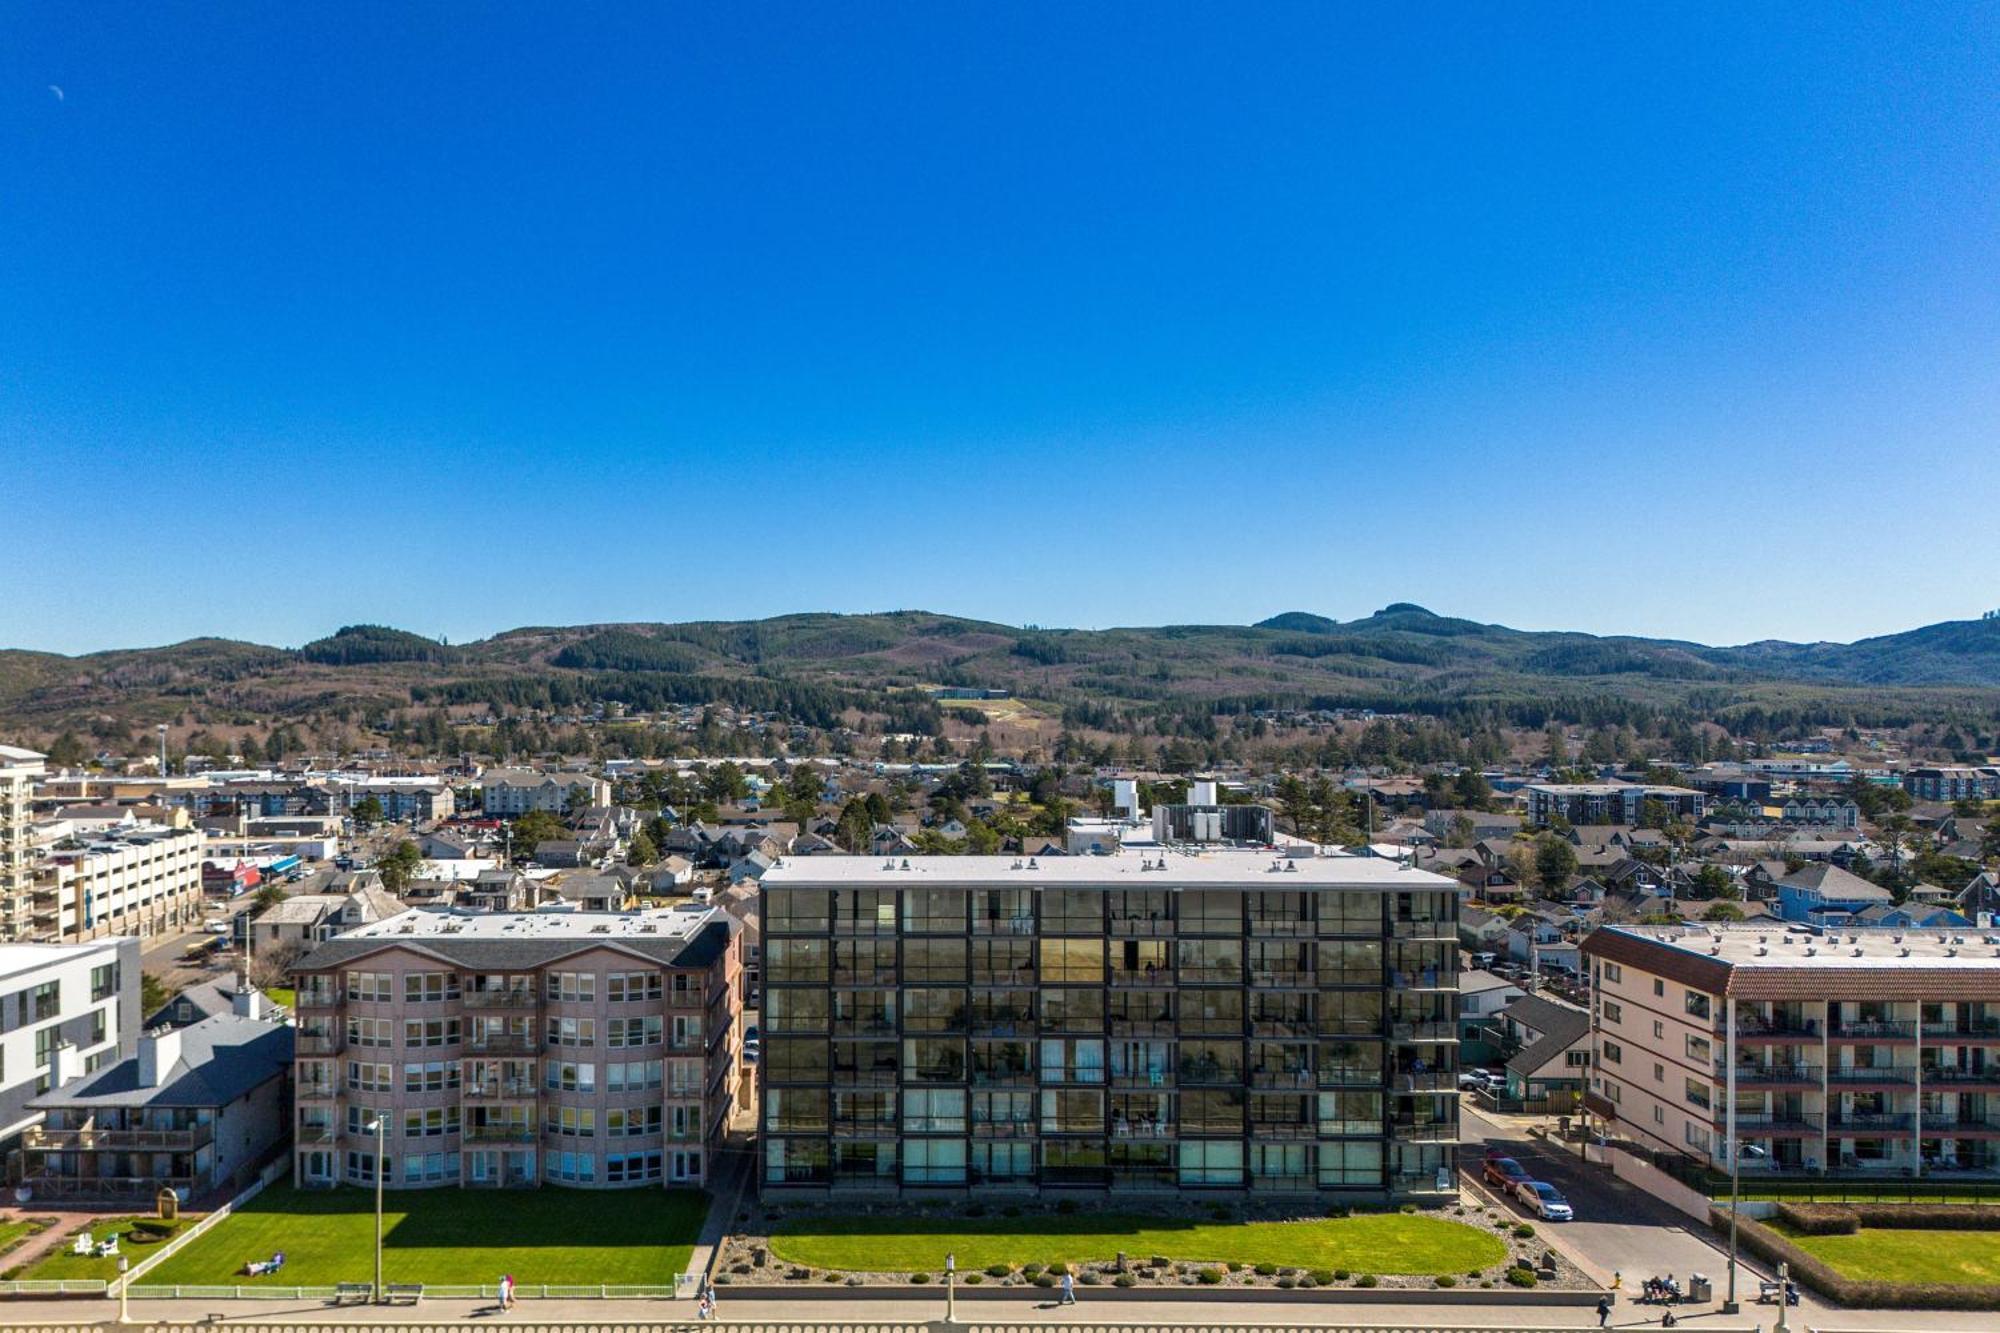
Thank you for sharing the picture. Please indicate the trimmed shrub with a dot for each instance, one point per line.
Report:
(1446, 1280)
(1124, 1280)
(1323, 1276)
(1523, 1230)
(1340, 1275)
(1029, 1270)
(829, 1277)
(920, 1278)
(1522, 1277)
(1209, 1276)
(1287, 1283)
(1262, 1270)
(721, 1279)
(1058, 1268)
(1011, 1210)
(1928, 1216)
(1090, 1279)
(974, 1279)
(1820, 1219)
(1161, 1261)
(1365, 1280)
(998, 1270)
(1045, 1281)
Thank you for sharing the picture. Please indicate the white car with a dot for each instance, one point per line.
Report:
(1544, 1201)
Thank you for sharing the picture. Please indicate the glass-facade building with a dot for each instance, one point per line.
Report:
(1228, 1020)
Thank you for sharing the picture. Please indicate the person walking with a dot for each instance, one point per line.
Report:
(506, 1291)
(1068, 1289)
(1603, 1311)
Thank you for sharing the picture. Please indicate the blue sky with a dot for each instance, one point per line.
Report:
(1674, 319)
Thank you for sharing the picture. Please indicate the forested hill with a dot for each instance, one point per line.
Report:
(816, 667)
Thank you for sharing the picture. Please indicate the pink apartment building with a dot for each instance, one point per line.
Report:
(509, 1049)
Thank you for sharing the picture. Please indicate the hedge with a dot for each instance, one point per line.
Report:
(1820, 1219)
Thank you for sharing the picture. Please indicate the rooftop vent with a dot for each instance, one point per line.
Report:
(1033, 866)
(1761, 950)
(1904, 952)
(906, 863)
(1857, 951)
(1810, 951)
(1016, 865)
(1952, 952)
(1291, 868)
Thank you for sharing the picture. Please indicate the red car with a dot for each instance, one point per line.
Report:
(1504, 1173)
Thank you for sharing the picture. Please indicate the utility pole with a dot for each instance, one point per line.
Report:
(381, 1129)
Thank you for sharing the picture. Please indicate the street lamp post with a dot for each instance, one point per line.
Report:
(124, 1290)
(951, 1289)
(381, 1130)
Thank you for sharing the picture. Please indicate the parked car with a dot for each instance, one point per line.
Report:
(1471, 1080)
(1544, 1201)
(1504, 1173)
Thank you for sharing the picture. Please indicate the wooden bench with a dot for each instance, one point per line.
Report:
(407, 1292)
(354, 1292)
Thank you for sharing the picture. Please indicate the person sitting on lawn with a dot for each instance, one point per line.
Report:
(267, 1266)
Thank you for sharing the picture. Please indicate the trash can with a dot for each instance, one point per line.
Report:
(1700, 1290)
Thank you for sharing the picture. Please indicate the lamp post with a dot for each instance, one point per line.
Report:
(951, 1288)
(124, 1290)
(381, 1130)
(1784, 1298)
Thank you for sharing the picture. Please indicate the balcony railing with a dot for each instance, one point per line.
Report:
(1432, 1080)
(321, 1043)
(1282, 1078)
(1870, 1122)
(1423, 930)
(1953, 1076)
(504, 1090)
(1767, 1121)
(1874, 1029)
(1350, 1076)
(1424, 1131)
(317, 999)
(1870, 1074)
(1963, 1028)
(499, 1133)
(501, 999)
(1428, 1030)
(504, 1043)
(118, 1140)
(310, 1134)
(1748, 1075)
(317, 1092)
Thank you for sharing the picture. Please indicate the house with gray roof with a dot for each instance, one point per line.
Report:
(197, 1109)
(1550, 1045)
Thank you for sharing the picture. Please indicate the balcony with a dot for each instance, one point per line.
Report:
(1282, 1079)
(1431, 1080)
(1350, 1076)
(118, 1140)
(506, 1090)
(316, 999)
(1963, 1029)
(1873, 1029)
(1851, 1076)
(1769, 1075)
(321, 1043)
(1141, 1129)
(500, 999)
(1429, 1030)
(1871, 1122)
(1283, 1130)
(1158, 978)
(1423, 930)
(314, 1134)
(1001, 1129)
(1954, 1077)
(1286, 979)
(316, 1092)
(1296, 1028)
(1208, 1074)
(1424, 1131)
(499, 1133)
(504, 1043)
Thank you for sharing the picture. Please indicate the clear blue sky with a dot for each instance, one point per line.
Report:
(1672, 319)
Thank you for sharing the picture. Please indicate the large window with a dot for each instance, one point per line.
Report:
(795, 911)
(934, 960)
(1279, 913)
(1350, 963)
(1003, 912)
(933, 1111)
(796, 1009)
(1073, 1010)
(864, 911)
(1212, 1013)
(934, 1060)
(934, 1010)
(1075, 961)
(855, 963)
(429, 987)
(934, 1161)
(1072, 1111)
(1070, 1060)
(928, 911)
(1211, 1163)
(1003, 962)
(795, 1110)
(1072, 912)
(1140, 911)
(795, 961)
(1211, 912)
(1350, 913)
(1354, 1163)
(1350, 1113)
(795, 1059)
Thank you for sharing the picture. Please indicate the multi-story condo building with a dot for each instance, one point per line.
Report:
(1849, 1053)
(1157, 1019)
(508, 1049)
(19, 770)
(507, 792)
(1951, 783)
(130, 879)
(65, 1009)
(1608, 802)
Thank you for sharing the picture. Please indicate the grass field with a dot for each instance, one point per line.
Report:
(1376, 1243)
(1897, 1255)
(452, 1236)
(60, 1264)
(285, 995)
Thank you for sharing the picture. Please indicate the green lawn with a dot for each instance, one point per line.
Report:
(285, 995)
(12, 1232)
(60, 1264)
(1898, 1255)
(1374, 1243)
(450, 1236)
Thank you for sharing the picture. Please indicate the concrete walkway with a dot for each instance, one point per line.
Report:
(727, 1200)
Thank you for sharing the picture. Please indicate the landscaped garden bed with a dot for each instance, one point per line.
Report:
(1031, 1245)
(134, 1234)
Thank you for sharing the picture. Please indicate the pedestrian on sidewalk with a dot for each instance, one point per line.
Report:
(506, 1291)
(1068, 1289)
(1603, 1311)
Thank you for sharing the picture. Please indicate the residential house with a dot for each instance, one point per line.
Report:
(197, 1109)
(1824, 894)
(1548, 1046)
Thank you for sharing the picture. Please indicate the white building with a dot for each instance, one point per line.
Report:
(19, 770)
(507, 792)
(65, 1010)
(134, 879)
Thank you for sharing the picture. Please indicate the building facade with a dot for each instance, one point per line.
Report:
(1608, 802)
(139, 879)
(1164, 1021)
(19, 770)
(1951, 783)
(507, 792)
(509, 1049)
(65, 1009)
(1853, 1053)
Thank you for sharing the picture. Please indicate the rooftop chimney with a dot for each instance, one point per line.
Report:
(248, 1001)
(159, 1052)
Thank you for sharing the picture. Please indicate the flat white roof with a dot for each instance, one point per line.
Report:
(27, 957)
(1246, 868)
(428, 921)
(1864, 948)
